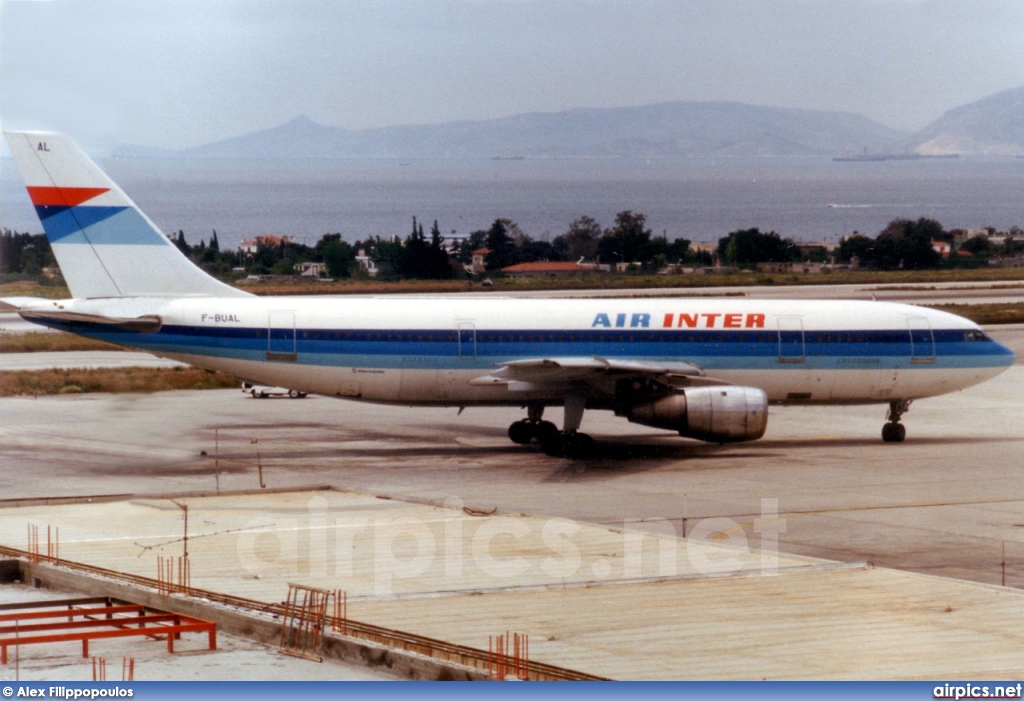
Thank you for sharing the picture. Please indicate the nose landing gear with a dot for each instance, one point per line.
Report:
(893, 431)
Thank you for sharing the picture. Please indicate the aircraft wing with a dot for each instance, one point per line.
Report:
(537, 373)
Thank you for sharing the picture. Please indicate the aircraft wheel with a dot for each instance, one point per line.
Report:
(544, 431)
(894, 433)
(521, 432)
(578, 445)
(296, 394)
(553, 445)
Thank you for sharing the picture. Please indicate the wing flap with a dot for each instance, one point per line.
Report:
(544, 372)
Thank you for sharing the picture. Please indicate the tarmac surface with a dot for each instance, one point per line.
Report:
(946, 501)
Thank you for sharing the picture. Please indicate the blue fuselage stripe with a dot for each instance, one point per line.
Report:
(713, 349)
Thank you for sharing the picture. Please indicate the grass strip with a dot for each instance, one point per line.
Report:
(110, 380)
(58, 342)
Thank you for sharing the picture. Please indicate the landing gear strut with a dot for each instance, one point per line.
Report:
(893, 431)
(570, 443)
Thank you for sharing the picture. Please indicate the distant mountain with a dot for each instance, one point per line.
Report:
(670, 130)
(993, 126)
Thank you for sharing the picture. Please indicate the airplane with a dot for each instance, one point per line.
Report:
(706, 368)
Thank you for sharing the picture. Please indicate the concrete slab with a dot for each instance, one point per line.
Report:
(620, 604)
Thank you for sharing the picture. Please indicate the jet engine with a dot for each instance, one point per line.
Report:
(722, 414)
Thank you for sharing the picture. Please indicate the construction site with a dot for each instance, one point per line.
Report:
(444, 592)
(204, 535)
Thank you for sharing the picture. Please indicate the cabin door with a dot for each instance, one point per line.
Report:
(922, 340)
(467, 340)
(791, 339)
(281, 336)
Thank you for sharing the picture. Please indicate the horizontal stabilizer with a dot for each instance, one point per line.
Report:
(13, 304)
(149, 323)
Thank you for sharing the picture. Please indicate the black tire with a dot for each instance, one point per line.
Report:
(578, 446)
(553, 445)
(894, 433)
(545, 431)
(521, 432)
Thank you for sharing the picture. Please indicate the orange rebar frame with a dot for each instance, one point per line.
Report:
(95, 618)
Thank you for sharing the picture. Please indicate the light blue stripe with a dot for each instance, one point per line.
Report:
(102, 226)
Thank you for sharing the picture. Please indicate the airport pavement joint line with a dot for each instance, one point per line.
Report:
(589, 583)
(840, 510)
(100, 498)
(387, 637)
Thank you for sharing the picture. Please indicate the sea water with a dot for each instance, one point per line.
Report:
(807, 199)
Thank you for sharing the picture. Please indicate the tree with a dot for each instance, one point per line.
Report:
(671, 252)
(25, 254)
(499, 243)
(904, 244)
(856, 246)
(389, 255)
(749, 247)
(978, 246)
(476, 241)
(627, 241)
(1013, 244)
(337, 255)
(438, 266)
(580, 241)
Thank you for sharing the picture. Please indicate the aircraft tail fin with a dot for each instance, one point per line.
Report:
(105, 245)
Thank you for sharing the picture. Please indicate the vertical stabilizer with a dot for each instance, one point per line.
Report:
(105, 246)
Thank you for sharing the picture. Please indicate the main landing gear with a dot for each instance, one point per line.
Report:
(567, 443)
(530, 428)
(893, 431)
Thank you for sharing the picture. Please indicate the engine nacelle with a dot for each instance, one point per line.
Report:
(723, 414)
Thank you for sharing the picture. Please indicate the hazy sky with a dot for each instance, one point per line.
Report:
(177, 73)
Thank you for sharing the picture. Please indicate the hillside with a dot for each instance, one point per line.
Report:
(993, 126)
(679, 129)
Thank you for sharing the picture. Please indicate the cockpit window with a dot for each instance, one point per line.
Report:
(975, 335)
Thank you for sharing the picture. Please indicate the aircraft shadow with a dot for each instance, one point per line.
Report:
(868, 442)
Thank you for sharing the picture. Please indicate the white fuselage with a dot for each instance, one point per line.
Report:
(427, 350)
